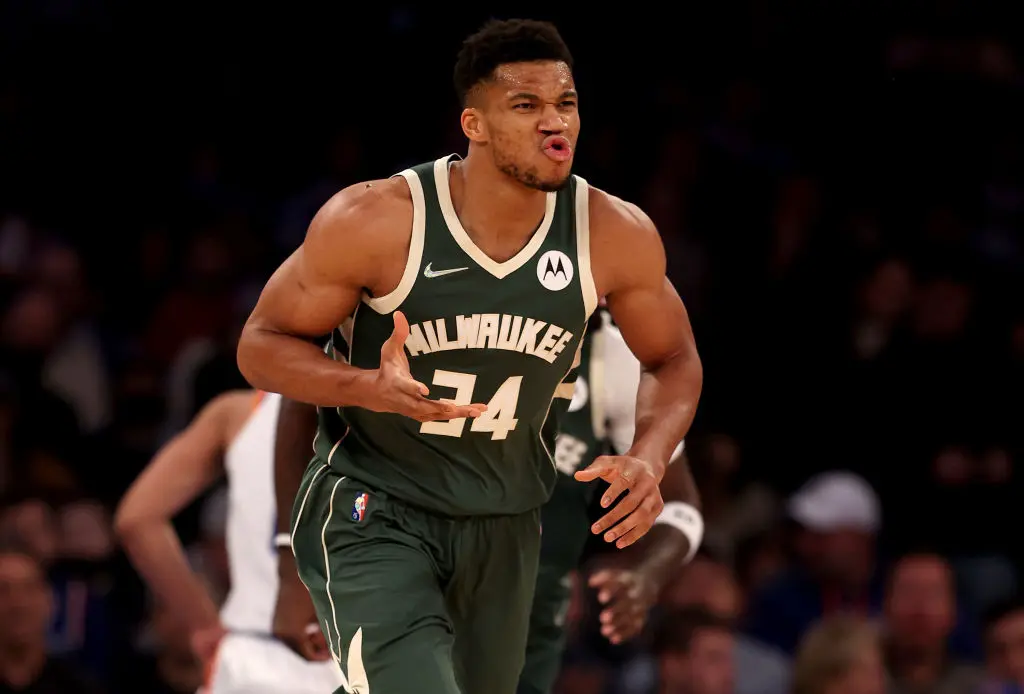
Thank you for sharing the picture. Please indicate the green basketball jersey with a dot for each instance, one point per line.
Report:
(504, 334)
(566, 516)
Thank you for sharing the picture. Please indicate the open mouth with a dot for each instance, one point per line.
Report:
(557, 148)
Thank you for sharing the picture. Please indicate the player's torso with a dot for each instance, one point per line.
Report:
(504, 334)
(251, 522)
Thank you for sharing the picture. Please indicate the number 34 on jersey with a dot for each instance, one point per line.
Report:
(498, 420)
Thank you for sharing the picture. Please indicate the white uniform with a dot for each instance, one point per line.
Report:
(249, 660)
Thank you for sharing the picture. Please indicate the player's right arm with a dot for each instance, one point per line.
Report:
(355, 243)
(181, 470)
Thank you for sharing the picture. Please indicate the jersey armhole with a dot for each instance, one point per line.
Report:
(393, 299)
(583, 246)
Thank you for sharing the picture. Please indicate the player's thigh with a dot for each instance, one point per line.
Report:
(546, 640)
(368, 569)
(254, 665)
(490, 599)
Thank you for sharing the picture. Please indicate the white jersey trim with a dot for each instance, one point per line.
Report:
(583, 246)
(392, 300)
(451, 218)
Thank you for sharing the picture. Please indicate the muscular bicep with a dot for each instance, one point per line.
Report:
(304, 298)
(652, 319)
(629, 269)
(321, 283)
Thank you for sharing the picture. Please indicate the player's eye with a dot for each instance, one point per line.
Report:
(568, 104)
(525, 106)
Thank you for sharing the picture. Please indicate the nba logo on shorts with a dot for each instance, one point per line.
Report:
(359, 507)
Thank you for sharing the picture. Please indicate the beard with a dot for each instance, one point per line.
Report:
(530, 177)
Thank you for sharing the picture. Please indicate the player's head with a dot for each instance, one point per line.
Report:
(514, 80)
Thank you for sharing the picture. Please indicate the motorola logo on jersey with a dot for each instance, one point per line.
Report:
(554, 270)
(580, 395)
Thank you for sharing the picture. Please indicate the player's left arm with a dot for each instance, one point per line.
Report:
(628, 264)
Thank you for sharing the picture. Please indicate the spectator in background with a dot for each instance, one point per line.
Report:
(198, 308)
(44, 429)
(883, 300)
(838, 514)
(583, 673)
(30, 524)
(759, 558)
(841, 655)
(76, 368)
(1004, 643)
(85, 625)
(8, 408)
(73, 545)
(733, 506)
(920, 614)
(25, 611)
(708, 584)
(694, 649)
(169, 665)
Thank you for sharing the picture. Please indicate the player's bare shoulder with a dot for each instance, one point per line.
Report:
(623, 241)
(371, 210)
(366, 226)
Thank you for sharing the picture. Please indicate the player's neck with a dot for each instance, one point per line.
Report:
(493, 206)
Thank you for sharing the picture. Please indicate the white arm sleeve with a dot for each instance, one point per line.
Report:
(621, 380)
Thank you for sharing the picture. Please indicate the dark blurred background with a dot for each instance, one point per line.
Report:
(840, 188)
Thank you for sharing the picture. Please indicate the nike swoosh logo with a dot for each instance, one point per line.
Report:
(429, 273)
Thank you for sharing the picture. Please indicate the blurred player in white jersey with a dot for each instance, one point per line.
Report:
(236, 434)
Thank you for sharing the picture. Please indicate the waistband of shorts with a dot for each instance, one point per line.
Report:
(386, 497)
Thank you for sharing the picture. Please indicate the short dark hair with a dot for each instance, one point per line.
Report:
(502, 41)
(677, 629)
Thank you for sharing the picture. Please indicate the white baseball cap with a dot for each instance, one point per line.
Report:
(836, 500)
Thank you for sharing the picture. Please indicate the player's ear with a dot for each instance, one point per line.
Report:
(473, 125)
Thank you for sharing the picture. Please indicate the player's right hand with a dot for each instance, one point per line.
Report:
(395, 390)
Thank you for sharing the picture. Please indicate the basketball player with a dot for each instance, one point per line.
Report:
(601, 418)
(234, 433)
(417, 526)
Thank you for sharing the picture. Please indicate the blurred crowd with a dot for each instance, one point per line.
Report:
(847, 237)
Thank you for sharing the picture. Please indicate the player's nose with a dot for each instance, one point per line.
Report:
(552, 122)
